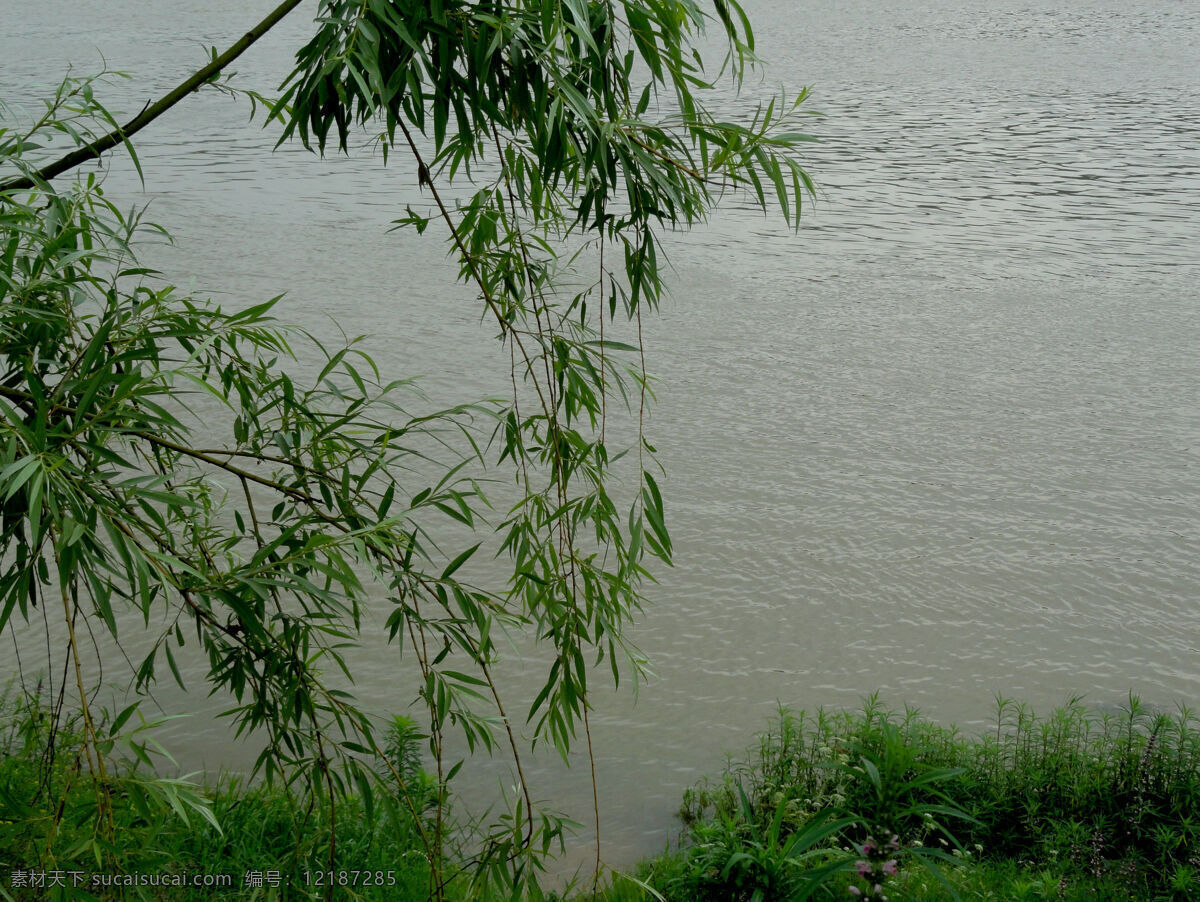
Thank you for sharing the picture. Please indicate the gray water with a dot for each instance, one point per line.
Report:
(941, 443)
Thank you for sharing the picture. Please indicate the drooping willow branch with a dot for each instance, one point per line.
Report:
(26, 402)
(580, 149)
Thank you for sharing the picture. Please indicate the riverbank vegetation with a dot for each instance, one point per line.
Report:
(193, 841)
(246, 499)
(873, 804)
(1076, 805)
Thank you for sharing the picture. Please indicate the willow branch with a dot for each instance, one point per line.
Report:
(153, 111)
(425, 178)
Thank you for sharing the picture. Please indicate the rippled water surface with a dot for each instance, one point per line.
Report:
(942, 442)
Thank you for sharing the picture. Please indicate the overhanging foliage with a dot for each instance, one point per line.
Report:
(580, 129)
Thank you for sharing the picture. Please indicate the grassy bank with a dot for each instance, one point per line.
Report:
(874, 804)
(159, 838)
(1072, 806)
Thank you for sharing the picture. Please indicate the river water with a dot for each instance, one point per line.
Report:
(942, 442)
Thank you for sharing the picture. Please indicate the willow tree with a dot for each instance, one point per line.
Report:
(556, 141)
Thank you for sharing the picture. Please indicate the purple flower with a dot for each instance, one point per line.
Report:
(863, 867)
(854, 890)
(889, 867)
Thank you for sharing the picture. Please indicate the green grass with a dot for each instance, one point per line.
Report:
(1073, 806)
(50, 822)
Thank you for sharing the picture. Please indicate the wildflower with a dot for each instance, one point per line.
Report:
(854, 890)
(863, 867)
(889, 867)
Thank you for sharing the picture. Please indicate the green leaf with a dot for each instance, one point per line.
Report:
(459, 561)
